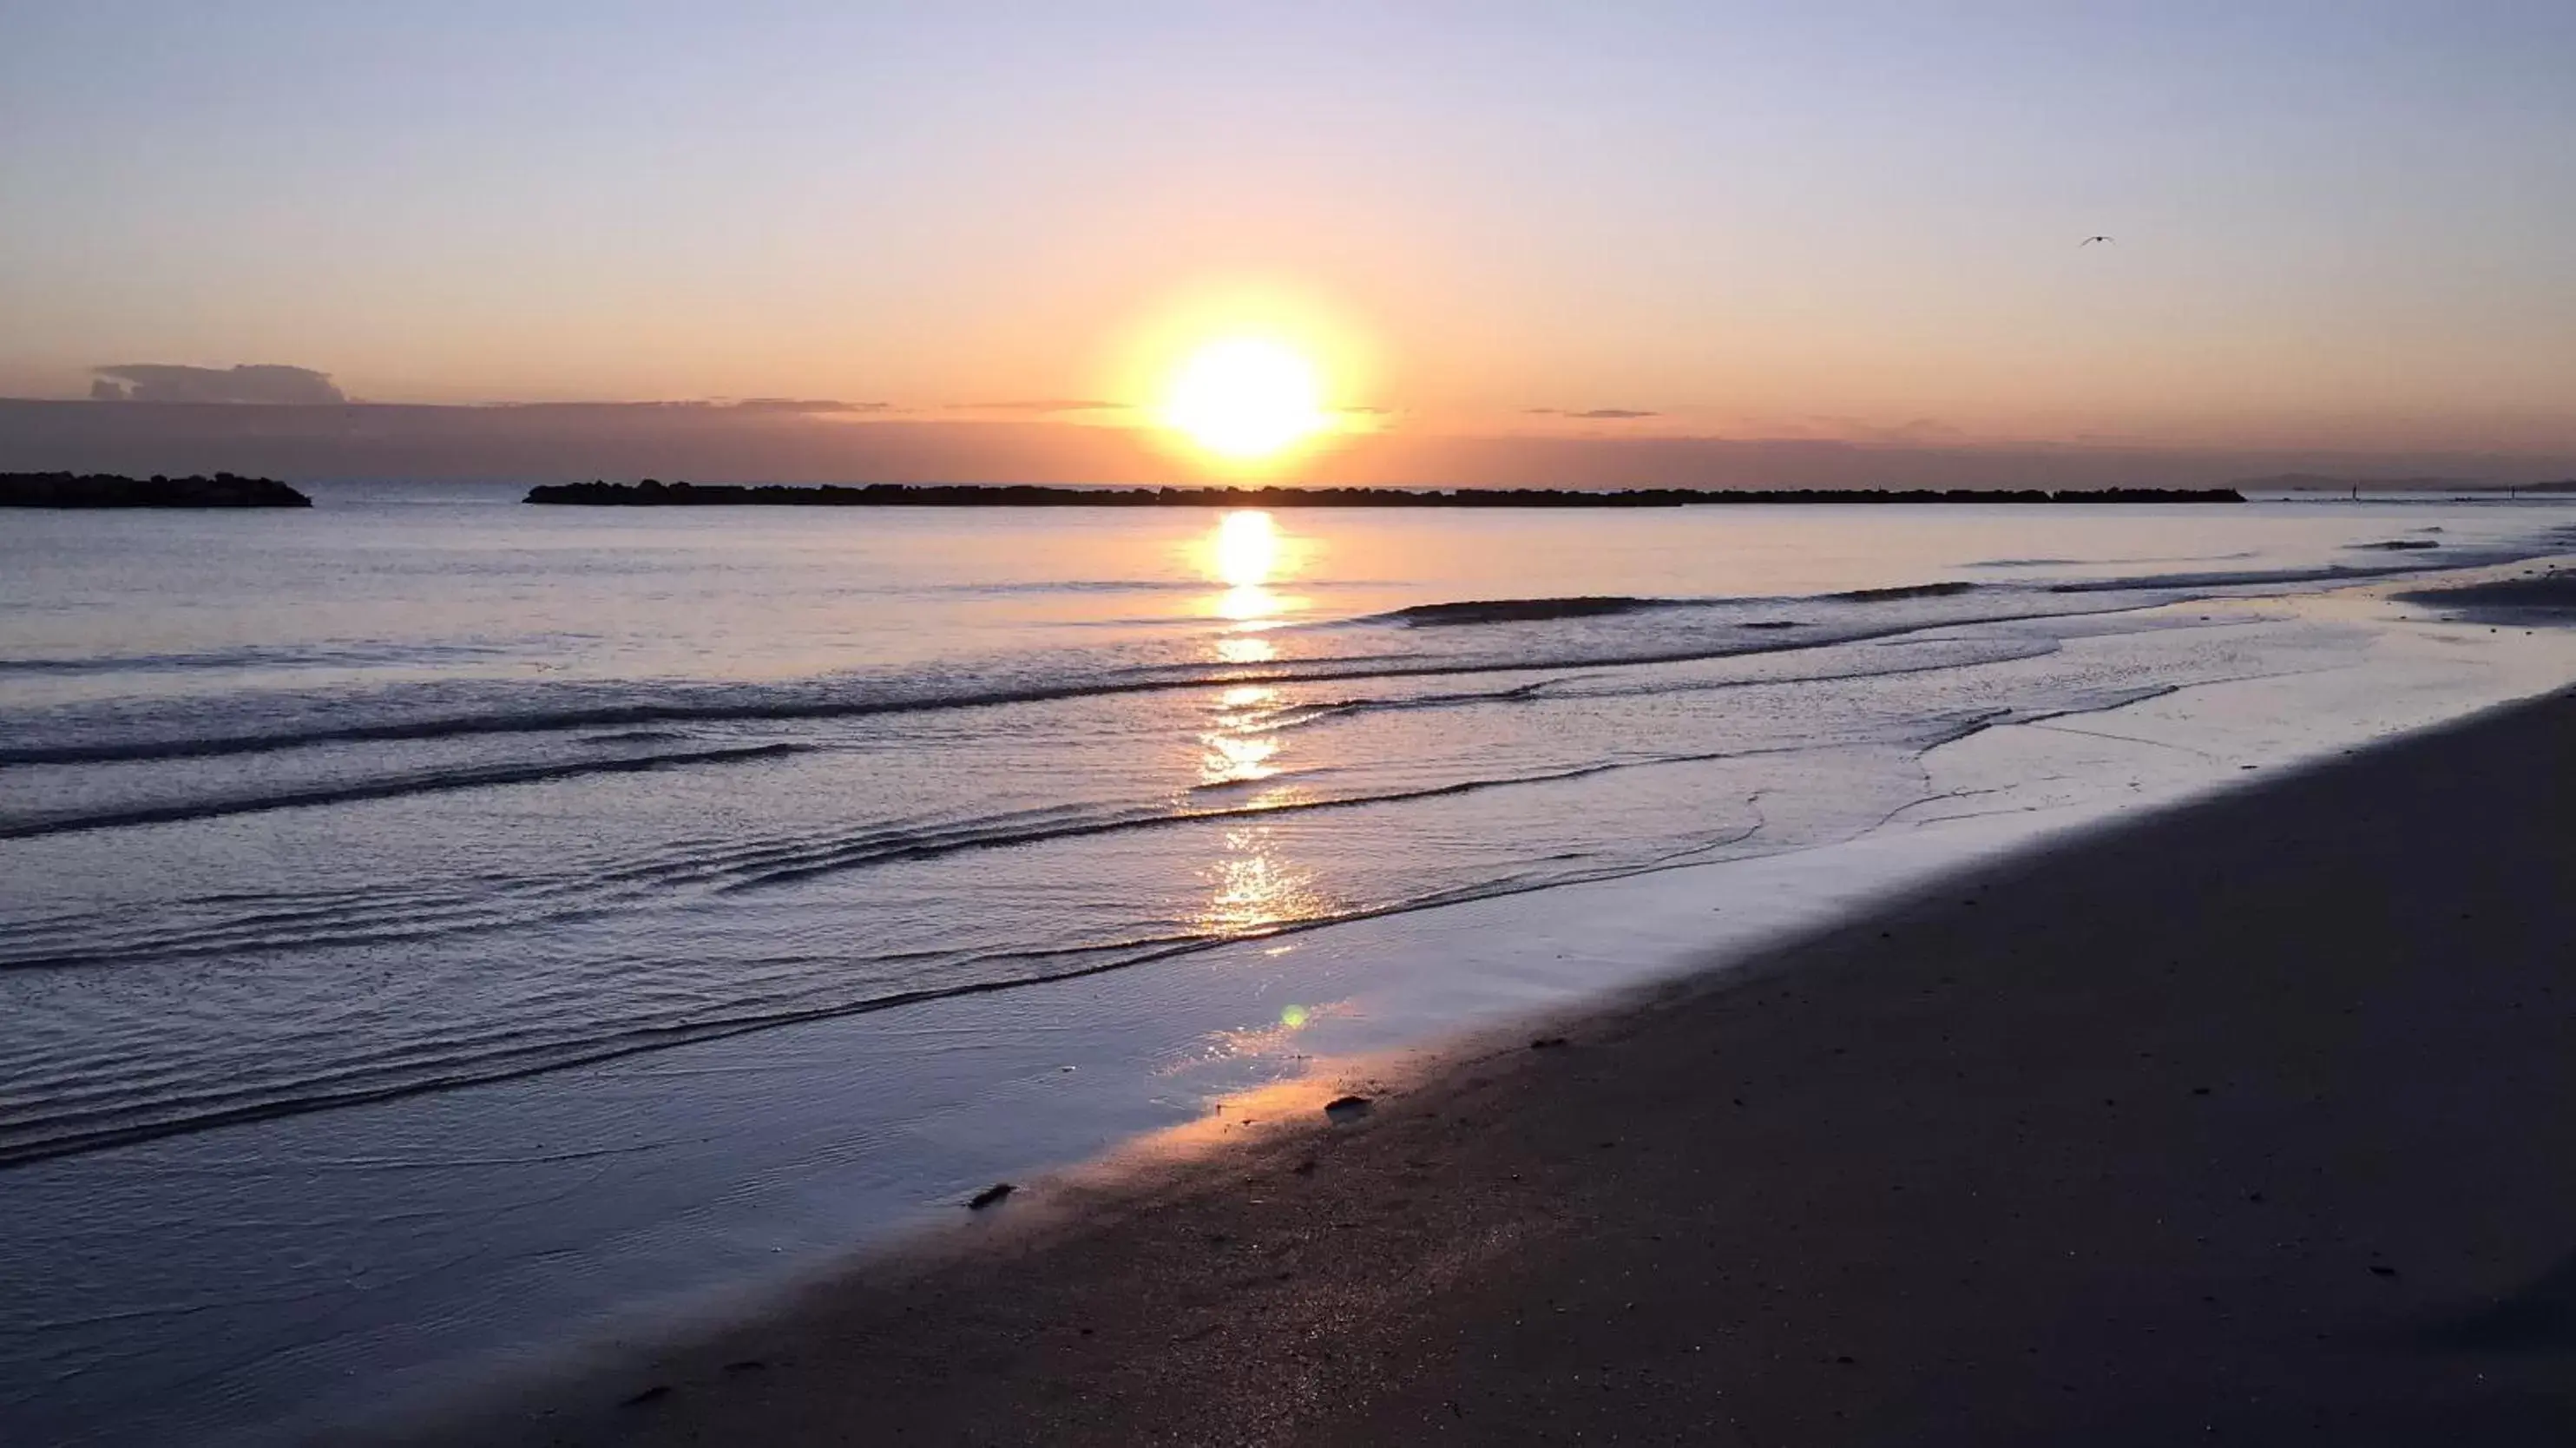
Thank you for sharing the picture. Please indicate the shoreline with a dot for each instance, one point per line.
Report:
(1919, 1179)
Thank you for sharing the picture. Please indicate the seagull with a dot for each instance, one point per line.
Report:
(2088, 241)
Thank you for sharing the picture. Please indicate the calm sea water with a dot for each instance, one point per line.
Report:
(434, 929)
(426, 788)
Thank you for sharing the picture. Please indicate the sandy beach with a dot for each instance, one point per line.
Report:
(2244, 1124)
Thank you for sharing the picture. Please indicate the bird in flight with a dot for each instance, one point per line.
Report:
(2088, 241)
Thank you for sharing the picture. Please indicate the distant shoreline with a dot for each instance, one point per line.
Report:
(652, 493)
(110, 490)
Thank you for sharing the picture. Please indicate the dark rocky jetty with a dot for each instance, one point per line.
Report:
(106, 490)
(652, 493)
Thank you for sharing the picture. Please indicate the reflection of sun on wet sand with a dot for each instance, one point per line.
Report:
(1275, 1037)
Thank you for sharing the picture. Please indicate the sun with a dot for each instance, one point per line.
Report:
(1246, 399)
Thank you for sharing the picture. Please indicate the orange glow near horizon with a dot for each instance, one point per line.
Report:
(1243, 378)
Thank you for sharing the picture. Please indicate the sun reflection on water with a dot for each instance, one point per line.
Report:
(1250, 605)
(1238, 747)
(1237, 758)
(1252, 891)
(1245, 649)
(1247, 553)
(1246, 547)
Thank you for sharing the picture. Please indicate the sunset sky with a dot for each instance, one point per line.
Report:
(2346, 225)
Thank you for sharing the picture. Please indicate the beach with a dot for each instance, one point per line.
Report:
(2241, 1123)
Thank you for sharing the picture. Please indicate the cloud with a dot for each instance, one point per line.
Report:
(701, 407)
(804, 404)
(172, 382)
(1597, 414)
(1044, 404)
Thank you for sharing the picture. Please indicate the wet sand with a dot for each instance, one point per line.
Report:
(2250, 1123)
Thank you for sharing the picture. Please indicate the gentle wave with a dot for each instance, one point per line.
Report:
(349, 656)
(2255, 578)
(2102, 562)
(78, 1119)
(1075, 586)
(77, 1124)
(371, 918)
(271, 924)
(431, 783)
(2450, 560)
(922, 846)
(1536, 610)
(1854, 615)
(724, 871)
(1903, 591)
(80, 1124)
(784, 704)
(1518, 610)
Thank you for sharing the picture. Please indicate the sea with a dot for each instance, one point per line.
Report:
(438, 932)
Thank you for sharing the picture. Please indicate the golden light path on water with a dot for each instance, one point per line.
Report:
(1251, 889)
(1239, 750)
(1245, 553)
